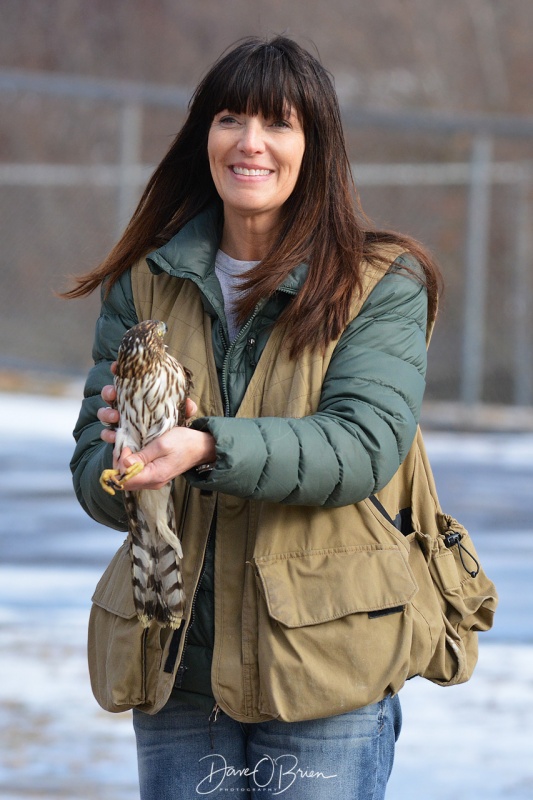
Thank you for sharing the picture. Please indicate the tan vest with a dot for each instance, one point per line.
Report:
(317, 611)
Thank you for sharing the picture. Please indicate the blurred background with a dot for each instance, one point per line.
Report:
(437, 107)
(436, 100)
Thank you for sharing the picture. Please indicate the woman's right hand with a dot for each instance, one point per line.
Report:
(108, 415)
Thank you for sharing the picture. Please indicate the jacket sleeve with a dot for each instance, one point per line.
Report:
(91, 454)
(365, 423)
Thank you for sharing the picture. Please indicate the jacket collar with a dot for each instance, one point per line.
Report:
(191, 254)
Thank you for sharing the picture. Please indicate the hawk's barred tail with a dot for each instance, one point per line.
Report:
(170, 605)
(157, 584)
(156, 576)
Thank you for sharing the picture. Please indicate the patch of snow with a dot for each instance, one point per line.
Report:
(38, 416)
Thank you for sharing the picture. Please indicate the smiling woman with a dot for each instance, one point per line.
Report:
(305, 330)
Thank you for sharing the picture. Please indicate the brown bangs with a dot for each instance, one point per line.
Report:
(260, 81)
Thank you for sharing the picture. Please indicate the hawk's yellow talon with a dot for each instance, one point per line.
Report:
(108, 480)
(112, 480)
(131, 472)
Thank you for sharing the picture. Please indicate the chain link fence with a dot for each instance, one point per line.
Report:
(77, 152)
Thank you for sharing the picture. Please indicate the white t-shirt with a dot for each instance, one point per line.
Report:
(228, 270)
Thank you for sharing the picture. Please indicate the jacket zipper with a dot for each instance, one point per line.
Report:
(249, 346)
(242, 333)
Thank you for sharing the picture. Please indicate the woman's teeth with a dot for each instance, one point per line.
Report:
(244, 171)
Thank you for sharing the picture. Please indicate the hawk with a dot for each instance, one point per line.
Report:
(152, 388)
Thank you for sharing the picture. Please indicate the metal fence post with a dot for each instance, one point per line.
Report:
(523, 340)
(477, 245)
(129, 164)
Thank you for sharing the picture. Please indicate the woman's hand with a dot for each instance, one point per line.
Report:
(169, 455)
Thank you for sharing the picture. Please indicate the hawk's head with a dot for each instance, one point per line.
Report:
(140, 347)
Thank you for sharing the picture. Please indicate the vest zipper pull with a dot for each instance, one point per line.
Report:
(250, 347)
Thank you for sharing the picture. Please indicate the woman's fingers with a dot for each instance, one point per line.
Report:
(108, 416)
(109, 393)
(108, 435)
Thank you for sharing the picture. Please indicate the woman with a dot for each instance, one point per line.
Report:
(305, 333)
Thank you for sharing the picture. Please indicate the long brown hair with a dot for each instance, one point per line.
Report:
(321, 223)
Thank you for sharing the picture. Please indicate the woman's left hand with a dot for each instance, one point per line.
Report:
(169, 455)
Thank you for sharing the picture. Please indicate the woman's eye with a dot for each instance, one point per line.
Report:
(227, 119)
(281, 123)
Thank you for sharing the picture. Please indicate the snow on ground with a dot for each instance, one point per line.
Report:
(55, 741)
(471, 742)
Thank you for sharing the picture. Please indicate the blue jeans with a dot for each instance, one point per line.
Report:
(183, 754)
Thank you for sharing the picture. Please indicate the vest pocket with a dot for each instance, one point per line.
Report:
(470, 596)
(321, 648)
(119, 648)
(312, 587)
(466, 598)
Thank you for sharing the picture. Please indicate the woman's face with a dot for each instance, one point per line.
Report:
(255, 161)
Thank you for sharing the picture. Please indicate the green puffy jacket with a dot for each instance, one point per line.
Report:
(350, 448)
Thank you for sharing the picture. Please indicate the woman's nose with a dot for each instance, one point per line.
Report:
(252, 139)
